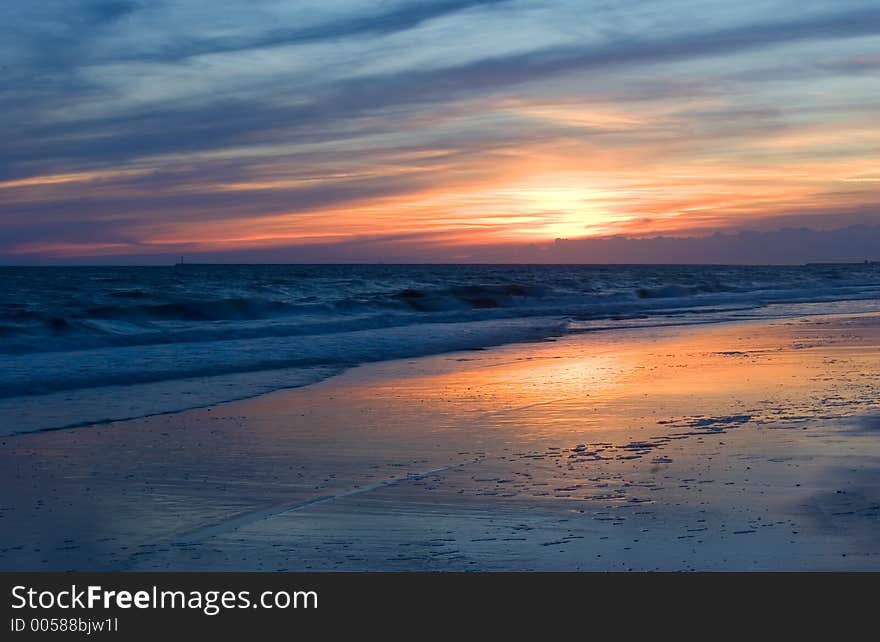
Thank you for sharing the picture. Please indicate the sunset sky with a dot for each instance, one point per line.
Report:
(139, 130)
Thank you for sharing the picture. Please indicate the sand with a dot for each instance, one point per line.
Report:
(738, 446)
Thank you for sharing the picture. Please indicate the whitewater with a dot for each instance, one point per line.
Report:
(82, 345)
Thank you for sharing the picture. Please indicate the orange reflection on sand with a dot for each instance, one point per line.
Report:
(602, 384)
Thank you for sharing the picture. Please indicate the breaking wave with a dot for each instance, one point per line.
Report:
(69, 329)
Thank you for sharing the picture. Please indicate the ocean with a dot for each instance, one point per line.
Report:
(79, 345)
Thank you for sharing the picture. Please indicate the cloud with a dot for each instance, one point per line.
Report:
(790, 246)
(108, 10)
(396, 18)
(785, 246)
(206, 112)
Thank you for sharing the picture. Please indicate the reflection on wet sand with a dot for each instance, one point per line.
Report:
(738, 446)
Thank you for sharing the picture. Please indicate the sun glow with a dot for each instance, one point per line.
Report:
(568, 211)
(539, 208)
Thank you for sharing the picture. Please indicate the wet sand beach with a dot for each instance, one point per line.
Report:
(734, 446)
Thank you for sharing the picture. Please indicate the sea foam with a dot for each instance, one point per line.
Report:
(166, 338)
